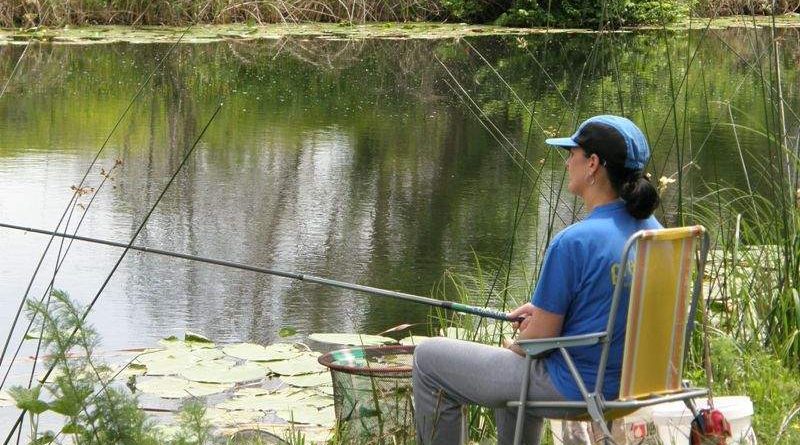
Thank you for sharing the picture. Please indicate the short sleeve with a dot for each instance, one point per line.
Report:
(555, 288)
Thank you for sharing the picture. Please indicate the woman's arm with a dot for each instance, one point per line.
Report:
(538, 323)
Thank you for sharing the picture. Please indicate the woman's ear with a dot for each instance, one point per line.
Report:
(594, 163)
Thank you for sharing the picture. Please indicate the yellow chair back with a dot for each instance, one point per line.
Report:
(658, 309)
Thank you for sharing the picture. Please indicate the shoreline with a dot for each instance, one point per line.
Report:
(105, 34)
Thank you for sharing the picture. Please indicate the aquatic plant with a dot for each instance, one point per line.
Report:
(80, 389)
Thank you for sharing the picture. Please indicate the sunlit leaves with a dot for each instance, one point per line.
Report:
(28, 399)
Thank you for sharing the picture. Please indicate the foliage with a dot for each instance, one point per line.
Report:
(591, 14)
(473, 11)
(195, 429)
(750, 370)
(28, 14)
(95, 413)
(562, 13)
(80, 390)
(718, 8)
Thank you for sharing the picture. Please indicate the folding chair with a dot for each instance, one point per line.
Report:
(660, 321)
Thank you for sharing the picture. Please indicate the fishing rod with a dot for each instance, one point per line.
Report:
(448, 305)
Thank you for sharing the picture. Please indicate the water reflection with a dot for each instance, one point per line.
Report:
(361, 161)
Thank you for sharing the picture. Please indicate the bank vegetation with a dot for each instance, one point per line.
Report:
(540, 13)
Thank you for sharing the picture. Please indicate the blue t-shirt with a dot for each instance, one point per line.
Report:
(577, 281)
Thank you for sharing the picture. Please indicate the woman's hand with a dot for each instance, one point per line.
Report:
(525, 311)
(536, 323)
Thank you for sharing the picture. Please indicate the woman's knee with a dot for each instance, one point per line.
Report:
(427, 351)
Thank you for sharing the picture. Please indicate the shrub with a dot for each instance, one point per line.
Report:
(592, 13)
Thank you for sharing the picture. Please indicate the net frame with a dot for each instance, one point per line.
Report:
(350, 355)
(373, 404)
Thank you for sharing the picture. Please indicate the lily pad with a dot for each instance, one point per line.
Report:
(287, 332)
(326, 390)
(270, 402)
(309, 415)
(283, 351)
(177, 388)
(306, 363)
(207, 353)
(352, 339)
(175, 343)
(129, 369)
(308, 380)
(221, 417)
(311, 434)
(317, 400)
(454, 332)
(168, 432)
(194, 337)
(413, 340)
(251, 392)
(246, 351)
(166, 361)
(254, 352)
(281, 399)
(214, 372)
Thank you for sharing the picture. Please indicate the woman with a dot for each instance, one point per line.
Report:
(607, 156)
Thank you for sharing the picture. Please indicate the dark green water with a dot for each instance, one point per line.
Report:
(378, 162)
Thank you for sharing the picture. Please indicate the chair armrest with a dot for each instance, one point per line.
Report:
(538, 346)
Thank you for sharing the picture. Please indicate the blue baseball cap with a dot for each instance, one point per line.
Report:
(614, 139)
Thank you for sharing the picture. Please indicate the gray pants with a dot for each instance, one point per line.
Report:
(449, 374)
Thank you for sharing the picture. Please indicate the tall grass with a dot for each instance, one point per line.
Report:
(25, 13)
(752, 282)
(31, 13)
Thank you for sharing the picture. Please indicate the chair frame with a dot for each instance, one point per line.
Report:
(594, 404)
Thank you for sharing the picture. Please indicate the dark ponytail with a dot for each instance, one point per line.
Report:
(640, 197)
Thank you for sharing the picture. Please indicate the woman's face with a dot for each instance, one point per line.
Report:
(577, 167)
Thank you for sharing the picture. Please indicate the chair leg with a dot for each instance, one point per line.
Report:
(523, 398)
(597, 416)
(605, 428)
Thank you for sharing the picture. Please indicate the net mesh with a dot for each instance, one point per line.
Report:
(372, 394)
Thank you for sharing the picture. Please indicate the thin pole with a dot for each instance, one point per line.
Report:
(449, 305)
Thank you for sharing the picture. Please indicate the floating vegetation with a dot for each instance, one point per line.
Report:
(308, 380)
(305, 363)
(308, 415)
(275, 389)
(224, 372)
(330, 31)
(177, 388)
(352, 339)
(254, 352)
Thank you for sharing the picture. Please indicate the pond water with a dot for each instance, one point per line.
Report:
(378, 162)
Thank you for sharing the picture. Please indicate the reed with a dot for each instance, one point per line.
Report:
(753, 274)
(24, 13)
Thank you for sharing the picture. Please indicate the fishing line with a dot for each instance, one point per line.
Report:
(458, 307)
(70, 204)
(24, 51)
(127, 248)
(495, 130)
(14, 70)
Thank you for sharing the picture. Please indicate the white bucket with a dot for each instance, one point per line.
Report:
(673, 420)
